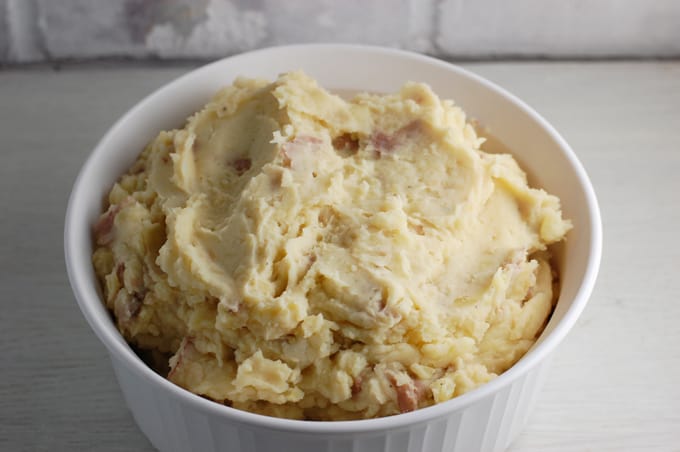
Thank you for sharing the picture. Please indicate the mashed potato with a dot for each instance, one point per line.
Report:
(298, 255)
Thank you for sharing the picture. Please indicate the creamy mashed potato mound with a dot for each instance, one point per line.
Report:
(291, 253)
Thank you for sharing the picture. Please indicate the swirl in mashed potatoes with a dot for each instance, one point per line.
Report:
(302, 256)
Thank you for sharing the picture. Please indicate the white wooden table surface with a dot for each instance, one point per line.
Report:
(615, 383)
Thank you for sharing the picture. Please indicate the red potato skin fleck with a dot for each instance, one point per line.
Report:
(408, 395)
(307, 139)
(407, 398)
(357, 385)
(299, 143)
(383, 143)
(187, 347)
(135, 305)
(346, 143)
(103, 229)
(421, 387)
(386, 144)
(129, 309)
(241, 165)
(120, 272)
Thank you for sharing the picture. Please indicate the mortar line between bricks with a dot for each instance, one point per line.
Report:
(190, 63)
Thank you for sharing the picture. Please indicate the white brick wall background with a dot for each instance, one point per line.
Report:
(57, 30)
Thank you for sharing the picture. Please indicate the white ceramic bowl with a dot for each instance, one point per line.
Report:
(487, 418)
